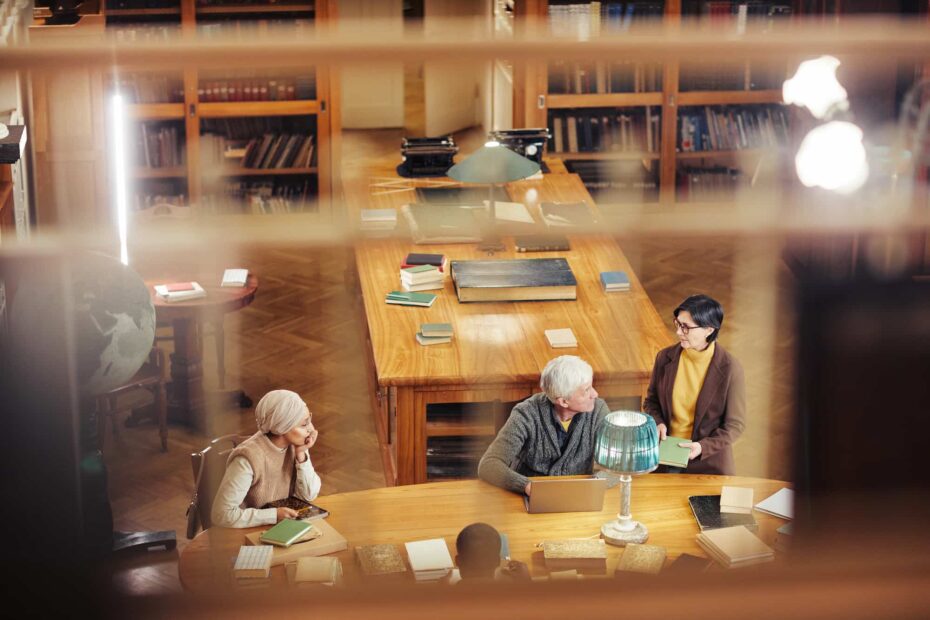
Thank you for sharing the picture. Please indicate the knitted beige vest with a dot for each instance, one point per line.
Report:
(272, 470)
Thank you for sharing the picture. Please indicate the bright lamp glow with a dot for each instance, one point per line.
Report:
(492, 143)
(119, 173)
(832, 156)
(815, 87)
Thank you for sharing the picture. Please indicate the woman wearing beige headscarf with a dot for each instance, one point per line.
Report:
(272, 464)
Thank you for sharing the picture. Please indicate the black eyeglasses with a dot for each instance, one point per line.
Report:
(685, 328)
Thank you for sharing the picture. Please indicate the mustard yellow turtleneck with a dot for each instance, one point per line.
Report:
(692, 369)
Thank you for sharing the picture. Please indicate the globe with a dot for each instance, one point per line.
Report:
(113, 317)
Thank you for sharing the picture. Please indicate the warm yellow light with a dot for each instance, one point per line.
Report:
(814, 86)
(833, 157)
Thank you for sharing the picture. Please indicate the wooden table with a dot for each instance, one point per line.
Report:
(186, 393)
(396, 515)
(499, 349)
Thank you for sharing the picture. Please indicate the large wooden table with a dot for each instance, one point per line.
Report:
(396, 515)
(499, 349)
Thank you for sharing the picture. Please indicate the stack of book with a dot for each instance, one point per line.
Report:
(415, 259)
(404, 298)
(615, 281)
(429, 559)
(735, 547)
(378, 222)
(434, 333)
(253, 565)
(421, 278)
(180, 291)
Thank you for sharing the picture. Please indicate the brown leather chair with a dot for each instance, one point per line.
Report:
(150, 377)
(208, 467)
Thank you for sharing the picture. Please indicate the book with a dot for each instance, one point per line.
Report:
(615, 281)
(434, 330)
(425, 286)
(779, 504)
(285, 532)
(530, 279)
(429, 559)
(578, 553)
(510, 212)
(567, 214)
(305, 510)
(646, 559)
(706, 509)
(541, 243)
(178, 287)
(561, 338)
(428, 340)
(441, 223)
(235, 277)
(253, 562)
(406, 298)
(686, 564)
(314, 570)
(734, 547)
(736, 500)
(671, 454)
(378, 560)
(327, 541)
(196, 292)
(416, 259)
(419, 274)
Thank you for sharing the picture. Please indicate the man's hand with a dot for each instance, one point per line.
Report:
(286, 513)
(695, 449)
(527, 488)
(518, 571)
(663, 431)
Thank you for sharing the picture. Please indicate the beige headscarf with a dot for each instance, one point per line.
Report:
(279, 411)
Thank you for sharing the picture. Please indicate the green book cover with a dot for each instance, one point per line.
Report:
(285, 532)
(671, 454)
(434, 330)
(414, 299)
(420, 269)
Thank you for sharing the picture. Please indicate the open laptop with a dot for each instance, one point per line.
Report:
(573, 495)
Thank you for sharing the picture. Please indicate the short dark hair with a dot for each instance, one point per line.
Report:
(706, 312)
(479, 549)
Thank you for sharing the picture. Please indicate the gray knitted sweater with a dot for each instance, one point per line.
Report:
(528, 445)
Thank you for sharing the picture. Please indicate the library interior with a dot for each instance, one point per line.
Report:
(419, 308)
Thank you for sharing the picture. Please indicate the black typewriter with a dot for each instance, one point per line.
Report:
(426, 157)
(529, 143)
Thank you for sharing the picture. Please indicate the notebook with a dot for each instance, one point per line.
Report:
(253, 562)
(706, 509)
(670, 453)
(380, 560)
(429, 559)
(645, 559)
(285, 532)
(735, 546)
(780, 504)
(309, 570)
(736, 500)
(235, 277)
(561, 338)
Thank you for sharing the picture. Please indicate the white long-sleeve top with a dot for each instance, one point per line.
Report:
(236, 482)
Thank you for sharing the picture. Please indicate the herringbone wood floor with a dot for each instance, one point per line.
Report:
(304, 332)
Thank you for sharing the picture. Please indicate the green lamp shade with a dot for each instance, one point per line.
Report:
(493, 163)
(628, 443)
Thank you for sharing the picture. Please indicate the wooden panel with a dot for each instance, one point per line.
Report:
(604, 100)
(155, 111)
(606, 155)
(729, 97)
(258, 108)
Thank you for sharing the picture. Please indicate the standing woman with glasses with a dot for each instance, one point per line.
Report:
(271, 465)
(697, 390)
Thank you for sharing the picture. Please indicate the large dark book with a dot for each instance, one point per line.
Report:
(530, 279)
(706, 509)
(441, 223)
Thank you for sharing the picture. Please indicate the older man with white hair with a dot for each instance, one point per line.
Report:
(271, 465)
(548, 434)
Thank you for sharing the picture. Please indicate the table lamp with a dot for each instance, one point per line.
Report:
(492, 164)
(628, 444)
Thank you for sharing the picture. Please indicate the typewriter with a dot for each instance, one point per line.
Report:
(426, 157)
(529, 143)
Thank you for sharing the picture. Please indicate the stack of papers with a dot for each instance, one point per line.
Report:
(781, 504)
(734, 547)
(180, 291)
(561, 338)
(253, 562)
(429, 559)
(736, 499)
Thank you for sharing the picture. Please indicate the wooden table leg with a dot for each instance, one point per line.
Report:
(408, 452)
(185, 401)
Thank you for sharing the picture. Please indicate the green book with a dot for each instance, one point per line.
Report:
(436, 330)
(285, 532)
(671, 454)
(420, 269)
(410, 299)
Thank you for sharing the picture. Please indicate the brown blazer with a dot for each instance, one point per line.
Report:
(720, 411)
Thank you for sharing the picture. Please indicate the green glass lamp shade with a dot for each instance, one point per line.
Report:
(628, 442)
(493, 163)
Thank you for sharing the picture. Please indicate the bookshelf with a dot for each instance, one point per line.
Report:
(632, 112)
(226, 141)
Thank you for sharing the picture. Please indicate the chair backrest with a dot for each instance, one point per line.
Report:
(208, 467)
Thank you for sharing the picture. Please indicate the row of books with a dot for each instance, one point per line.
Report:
(710, 183)
(260, 198)
(587, 19)
(143, 4)
(144, 33)
(722, 75)
(617, 181)
(267, 152)
(258, 89)
(146, 200)
(583, 78)
(160, 145)
(727, 128)
(252, 2)
(137, 88)
(246, 128)
(756, 10)
(599, 130)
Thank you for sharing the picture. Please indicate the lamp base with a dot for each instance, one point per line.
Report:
(613, 534)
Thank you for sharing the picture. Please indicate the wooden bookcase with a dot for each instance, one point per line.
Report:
(191, 108)
(534, 103)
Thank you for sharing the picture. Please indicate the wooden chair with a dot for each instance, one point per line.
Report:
(208, 467)
(150, 377)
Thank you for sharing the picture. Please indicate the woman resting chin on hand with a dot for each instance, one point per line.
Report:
(271, 465)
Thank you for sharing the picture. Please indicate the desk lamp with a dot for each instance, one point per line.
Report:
(628, 444)
(492, 164)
